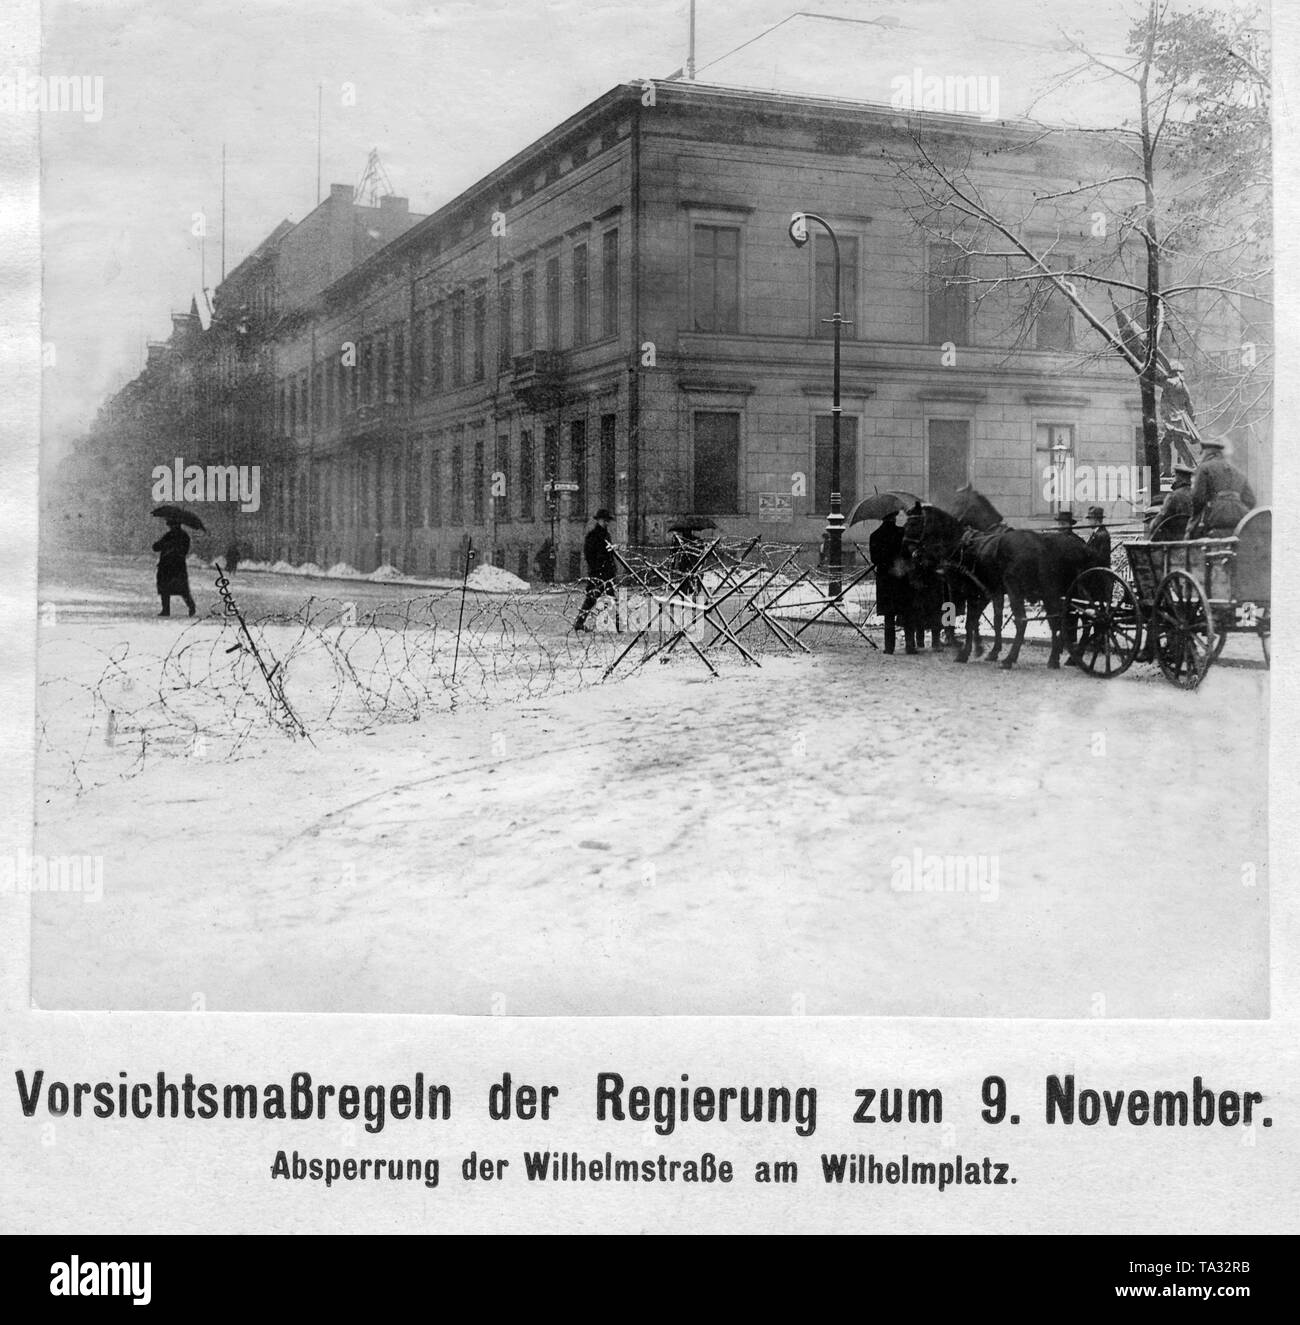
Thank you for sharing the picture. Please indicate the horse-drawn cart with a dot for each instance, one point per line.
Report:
(1183, 601)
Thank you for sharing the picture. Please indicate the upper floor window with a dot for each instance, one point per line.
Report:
(458, 338)
(609, 283)
(1054, 318)
(553, 302)
(505, 326)
(948, 295)
(581, 295)
(716, 278)
(528, 311)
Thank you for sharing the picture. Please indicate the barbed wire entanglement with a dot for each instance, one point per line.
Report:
(336, 665)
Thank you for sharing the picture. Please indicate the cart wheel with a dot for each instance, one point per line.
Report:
(1106, 621)
(1184, 630)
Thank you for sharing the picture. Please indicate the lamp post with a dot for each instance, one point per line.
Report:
(835, 517)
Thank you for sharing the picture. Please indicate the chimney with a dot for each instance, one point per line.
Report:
(390, 202)
(341, 191)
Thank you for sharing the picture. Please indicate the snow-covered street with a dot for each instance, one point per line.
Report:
(670, 843)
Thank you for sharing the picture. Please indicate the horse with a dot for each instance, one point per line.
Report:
(1026, 566)
(941, 552)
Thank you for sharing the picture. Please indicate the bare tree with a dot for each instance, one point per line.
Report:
(1165, 220)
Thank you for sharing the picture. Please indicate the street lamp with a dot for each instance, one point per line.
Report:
(835, 518)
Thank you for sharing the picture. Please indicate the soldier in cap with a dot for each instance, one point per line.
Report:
(1220, 494)
(598, 552)
(1170, 525)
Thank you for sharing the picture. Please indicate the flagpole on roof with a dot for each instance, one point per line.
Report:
(690, 51)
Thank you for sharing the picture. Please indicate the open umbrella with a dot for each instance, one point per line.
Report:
(882, 504)
(179, 513)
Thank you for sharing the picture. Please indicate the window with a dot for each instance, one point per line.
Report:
(419, 334)
(608, 462)
(505, 326)
(293, 408)
(414, 497)
(550, 453)
(527, 474)
(1054, 317)
(479, 331)
(949, 297)
(824, 269)
(848, 464)
(317, 396)
(580, 294)
(501, 504)
(378, 522)
(435, 481)
(437, 349)
(716, 285)
(458, 476)
(399, 365)
(609, 283)
(947, 459)
(1053, 444)
(383, 388)
(553, 303)
(327, 390)
(479, 475)
(527, 312)
(578, 466)
(363, 490)
(717, 463)
(458, 338)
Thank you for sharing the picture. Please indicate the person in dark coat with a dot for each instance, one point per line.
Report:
(173, 575)
(232, 557)
(1179, 418)
(1170, 524)
(544, 563)
(1221, 497)
(598, 552)
(893, 583)
(1099, 539)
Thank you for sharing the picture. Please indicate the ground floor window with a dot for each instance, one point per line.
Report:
(717, 462)
(947, 459)
(1053, 446)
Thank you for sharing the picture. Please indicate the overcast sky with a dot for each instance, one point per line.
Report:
(445, 91)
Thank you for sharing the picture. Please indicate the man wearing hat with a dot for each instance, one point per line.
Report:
(1176, 411)
(598, 552)
(1099, 539)
(1170, 524)
(1065, 523)
(1220, 494)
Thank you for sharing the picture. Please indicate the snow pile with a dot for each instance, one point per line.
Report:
(282, 568)
(340, 570)
(308, 568)
(386, 572)
(492, 579)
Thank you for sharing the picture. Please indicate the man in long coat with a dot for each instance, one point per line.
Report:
(1221, 497)
(893, 584)
(173, 575)
(598, 552)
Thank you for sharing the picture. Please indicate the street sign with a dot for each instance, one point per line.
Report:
(563, 487)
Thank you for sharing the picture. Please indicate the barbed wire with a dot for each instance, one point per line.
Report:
(231, 682)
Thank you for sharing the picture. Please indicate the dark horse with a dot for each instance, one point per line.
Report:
(1026, 566)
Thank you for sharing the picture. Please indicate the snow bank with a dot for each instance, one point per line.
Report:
(495, 580)
(340, 570)
(282, 568)
(386, 572)
(308, 568)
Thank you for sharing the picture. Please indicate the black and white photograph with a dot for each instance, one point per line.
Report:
(584, 510)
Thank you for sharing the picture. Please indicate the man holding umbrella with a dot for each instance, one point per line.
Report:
(173, 547)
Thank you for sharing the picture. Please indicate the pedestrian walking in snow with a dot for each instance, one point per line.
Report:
(173, 575)
(598, 552)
